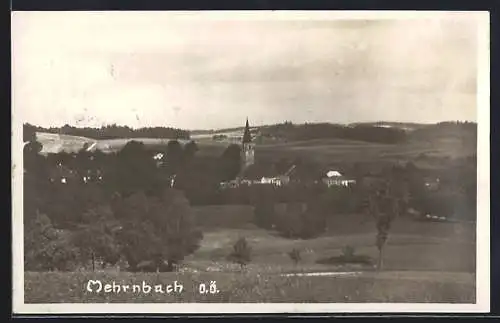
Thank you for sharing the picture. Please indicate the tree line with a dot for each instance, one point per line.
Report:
(369, 132)
(113, 132)
(292, 132)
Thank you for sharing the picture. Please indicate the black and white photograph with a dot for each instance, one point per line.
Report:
(250, 161)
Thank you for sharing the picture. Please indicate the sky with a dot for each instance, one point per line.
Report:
(146, 69)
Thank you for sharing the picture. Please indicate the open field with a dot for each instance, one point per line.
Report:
(412, 245)
(320, 150)
(248, 287)
(355, 151)
(424, 262)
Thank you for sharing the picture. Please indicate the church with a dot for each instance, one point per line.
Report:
(247, 158)
(249, 174)
(247, 149)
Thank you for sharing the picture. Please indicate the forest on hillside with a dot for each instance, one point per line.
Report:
(112, 132)
(287, 131)
(369, 132)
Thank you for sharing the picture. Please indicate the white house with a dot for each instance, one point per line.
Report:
(158, 156)
(335, 178)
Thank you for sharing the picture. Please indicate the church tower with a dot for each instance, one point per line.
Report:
(247, 149)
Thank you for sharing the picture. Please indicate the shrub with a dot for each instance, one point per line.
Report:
(264, 216)
(296, 223)
(241, 253)
(46, 248)
(295, 256)
(348, 251)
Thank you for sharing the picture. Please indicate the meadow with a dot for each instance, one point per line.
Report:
(424, 262)
(319, 150)
(250, 287)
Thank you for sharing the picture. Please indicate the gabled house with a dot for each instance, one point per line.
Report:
(335, 178)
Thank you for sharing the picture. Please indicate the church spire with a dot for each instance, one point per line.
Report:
(247, 138)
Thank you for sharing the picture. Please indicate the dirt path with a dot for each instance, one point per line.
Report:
(435, 276)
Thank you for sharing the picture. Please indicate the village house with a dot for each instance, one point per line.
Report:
(431, 183)
(335, 178)
(158, 158)
(266, 174)
(62, 174)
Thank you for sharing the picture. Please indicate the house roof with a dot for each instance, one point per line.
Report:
(333, 173)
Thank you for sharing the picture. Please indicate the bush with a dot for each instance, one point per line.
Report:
(348, 251)
(300, 223)
(295, 256)
(46, 248)
(241, 253)
(347, 257)
(264, 216)
(343, 260)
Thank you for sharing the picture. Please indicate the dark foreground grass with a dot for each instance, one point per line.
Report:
(244, 288)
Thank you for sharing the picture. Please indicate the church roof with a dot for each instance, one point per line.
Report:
(247, 137)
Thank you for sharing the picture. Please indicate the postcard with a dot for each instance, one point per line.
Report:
(250, 162)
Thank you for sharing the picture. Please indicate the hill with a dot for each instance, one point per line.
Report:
(426, 146)
(407, 126)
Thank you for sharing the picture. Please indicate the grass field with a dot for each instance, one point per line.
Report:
(320, 150)
(424, 262)
(249, 287)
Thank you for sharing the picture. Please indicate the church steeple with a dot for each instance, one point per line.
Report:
(247, 151)
(247, 137)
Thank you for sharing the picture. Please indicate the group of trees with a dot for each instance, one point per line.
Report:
(302, 212)
(132, 213)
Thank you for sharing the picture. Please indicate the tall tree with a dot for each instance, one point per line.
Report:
(386, 203)
(190, 150)
(96, 238)
(230, 162)
(134, 169)
(175, 154)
